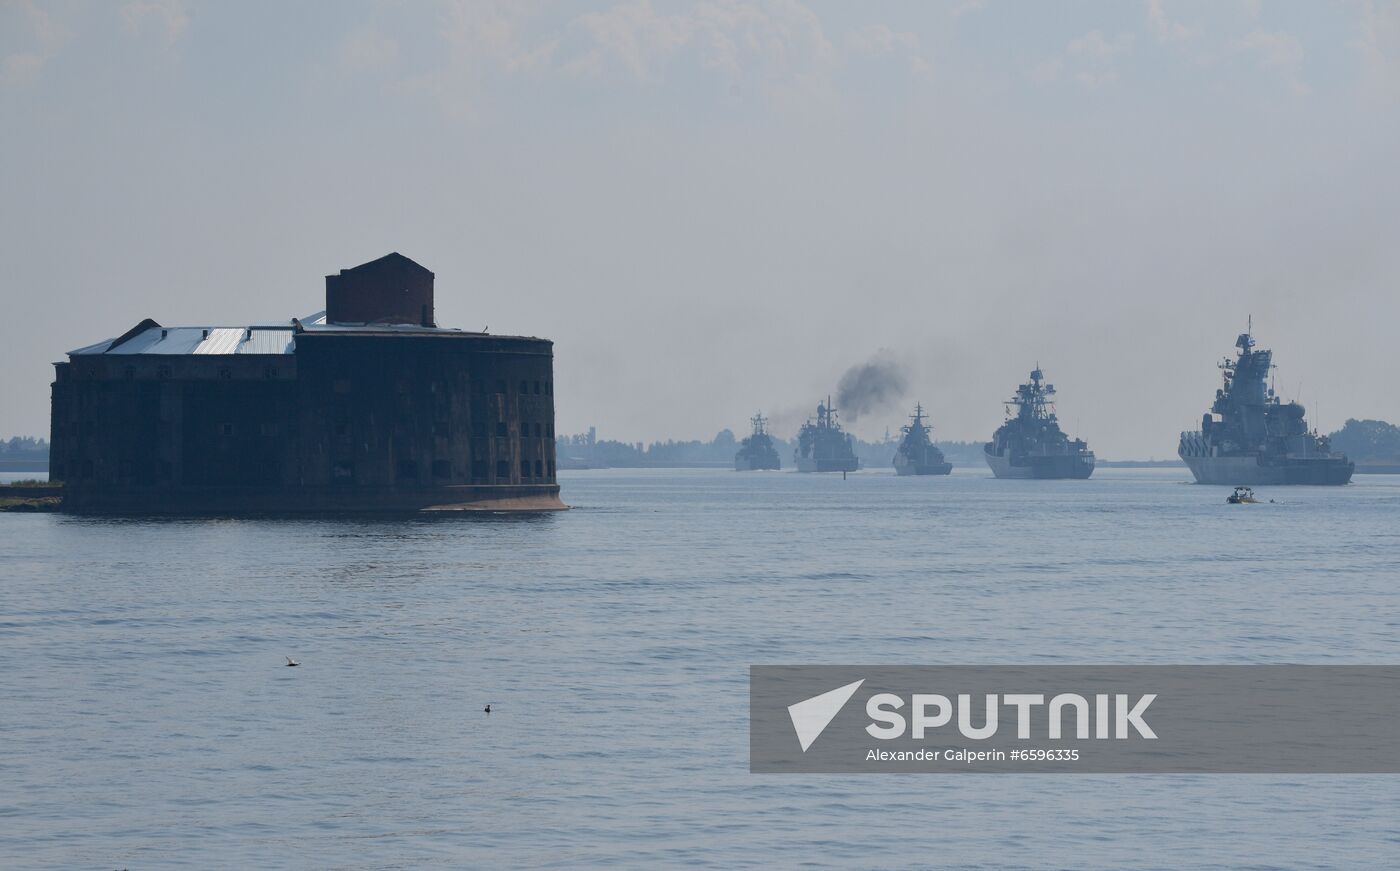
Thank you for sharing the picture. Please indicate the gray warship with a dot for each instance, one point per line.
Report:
(1249, 437)
(757, 451)
(1030, 443)
(822, 446)
(916, 454)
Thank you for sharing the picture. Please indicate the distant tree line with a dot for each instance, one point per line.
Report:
(1368, 441)
(24, 448)
(586, 450)
(1365, 441)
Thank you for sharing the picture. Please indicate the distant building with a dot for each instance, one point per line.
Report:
(366, 406)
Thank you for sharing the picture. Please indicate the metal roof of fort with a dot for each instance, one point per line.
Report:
(198, 340)
(149, 337)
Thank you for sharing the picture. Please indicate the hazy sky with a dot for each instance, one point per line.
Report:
(718, 206)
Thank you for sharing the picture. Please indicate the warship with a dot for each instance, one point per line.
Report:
(1250, 437)
(1030, 443)
(757, 451)
(822, 446)
(916, 454)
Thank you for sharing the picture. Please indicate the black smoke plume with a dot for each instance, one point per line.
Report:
(871, 386)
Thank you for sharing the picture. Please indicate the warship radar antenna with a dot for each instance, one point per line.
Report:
(1246, 340)
(830, 411)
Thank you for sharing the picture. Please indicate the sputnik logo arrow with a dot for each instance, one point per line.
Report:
(811, 716)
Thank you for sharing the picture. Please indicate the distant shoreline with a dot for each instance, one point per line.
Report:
(1114, 464)
(1378, 468)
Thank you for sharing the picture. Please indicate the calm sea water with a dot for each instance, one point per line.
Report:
(147, 719)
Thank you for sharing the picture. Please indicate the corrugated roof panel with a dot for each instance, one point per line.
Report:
(98, 348)
(140, 343)
(222, 340)
(165, 340)
(269, 342)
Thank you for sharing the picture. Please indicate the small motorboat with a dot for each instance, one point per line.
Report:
(1242, 496)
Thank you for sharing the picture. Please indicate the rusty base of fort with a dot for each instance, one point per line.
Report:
(256, 500)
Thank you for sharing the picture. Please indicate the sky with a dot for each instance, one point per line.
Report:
(717, 207)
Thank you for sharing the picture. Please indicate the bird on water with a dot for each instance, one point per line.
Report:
(488, 709)
(292, 663)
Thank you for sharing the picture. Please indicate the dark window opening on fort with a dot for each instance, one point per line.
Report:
(524, 468)
(442, 469)
(539, 469)
(407, 470)
(500, 385)
(226, 429)
(343, 470)
(341, 428)
(225, 374)
(524, 387)
(501, 429)
(478, 470)
(537, 387)
(270, 373)
(502, 470)
(163, 372)
(478, 428)
(539, 430)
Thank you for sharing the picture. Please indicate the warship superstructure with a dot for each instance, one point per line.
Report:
(916, 454)
(757, 451)
(1030, 443)
(1250, 437)
(822, 446)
